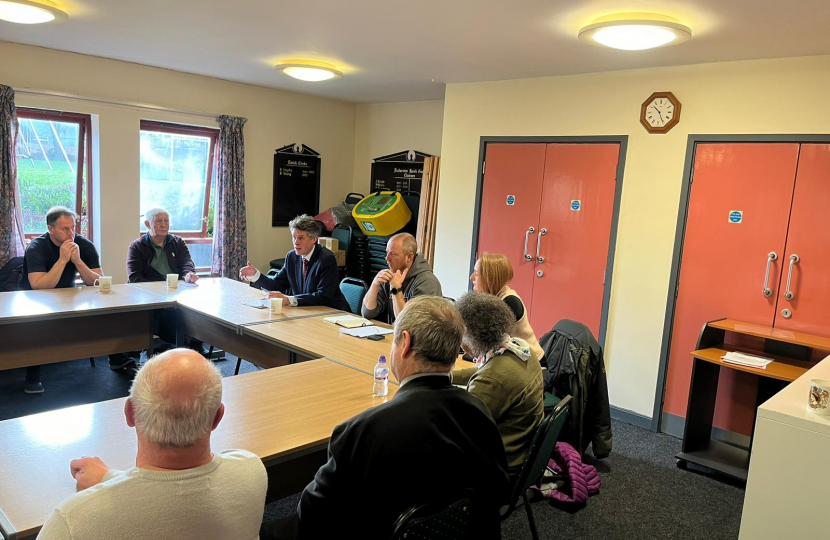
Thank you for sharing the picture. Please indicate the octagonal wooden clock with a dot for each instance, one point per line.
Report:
(660, 112)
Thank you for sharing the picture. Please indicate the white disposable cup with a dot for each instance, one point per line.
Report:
(275, 305)
(104, 284)
(172, 280)
(818, 401)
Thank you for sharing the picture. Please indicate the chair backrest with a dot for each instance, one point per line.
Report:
(540, 451)
(452, 521)
(343, 233)
(10, 273)
(354, 290)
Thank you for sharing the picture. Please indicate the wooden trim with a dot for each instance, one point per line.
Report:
(783, 368)
(768, 332)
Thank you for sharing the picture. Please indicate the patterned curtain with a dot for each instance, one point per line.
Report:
(230, 227)
(11, 219)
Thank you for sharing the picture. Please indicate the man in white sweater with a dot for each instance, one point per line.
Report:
(178, 488)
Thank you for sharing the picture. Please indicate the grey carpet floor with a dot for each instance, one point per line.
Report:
(643, 495)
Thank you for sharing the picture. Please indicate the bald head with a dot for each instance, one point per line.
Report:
(400, 251)
(175, 398)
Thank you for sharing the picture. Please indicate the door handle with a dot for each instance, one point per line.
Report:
(793, 259)
(770, 257)
(542, 232)
(527, 234)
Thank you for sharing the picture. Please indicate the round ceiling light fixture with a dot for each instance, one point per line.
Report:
(308, 70)
(635, 31)
(30, 12)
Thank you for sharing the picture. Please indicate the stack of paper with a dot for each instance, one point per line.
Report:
(366, 331)
(348, 321)
(743, 359)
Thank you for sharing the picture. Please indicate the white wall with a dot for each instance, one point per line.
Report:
(275, 118)
(385, 128)
(769, 96)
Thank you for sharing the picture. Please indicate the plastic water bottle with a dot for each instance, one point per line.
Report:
(381, 386)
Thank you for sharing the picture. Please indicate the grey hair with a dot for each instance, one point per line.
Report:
(153, 212)
(435, 328)
(57, 212)
(305, 223)
(487, 319)
(408, 243)
(174, 423)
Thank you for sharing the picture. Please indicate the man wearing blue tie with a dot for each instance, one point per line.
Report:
(309, 274)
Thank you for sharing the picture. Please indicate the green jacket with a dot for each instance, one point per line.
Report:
(512, 391)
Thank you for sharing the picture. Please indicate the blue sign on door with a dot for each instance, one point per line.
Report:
(736, 216)
(576, 205)
(511, 200)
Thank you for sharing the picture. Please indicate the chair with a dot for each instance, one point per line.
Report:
(10, 273)
(538, 456)
(343, 233)
(453, 520)
(354, 290)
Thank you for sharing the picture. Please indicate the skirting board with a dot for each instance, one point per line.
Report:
(675, 425)
(630, 417)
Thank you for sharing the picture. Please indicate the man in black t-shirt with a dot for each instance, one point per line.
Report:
(51, 262)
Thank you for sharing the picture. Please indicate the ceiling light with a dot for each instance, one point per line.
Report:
(30, 12)
(308, 70)
(635, 31)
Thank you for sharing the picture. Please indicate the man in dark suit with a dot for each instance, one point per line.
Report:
(429, 442)
(310, 271)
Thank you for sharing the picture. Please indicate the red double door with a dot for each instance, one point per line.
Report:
(549, 209)
(752, 207)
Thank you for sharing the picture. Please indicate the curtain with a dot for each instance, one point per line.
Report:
(11, 218)
(428, 211)
(230, 227)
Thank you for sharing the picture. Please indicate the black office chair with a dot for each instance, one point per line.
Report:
(454, 520)
(536, 461)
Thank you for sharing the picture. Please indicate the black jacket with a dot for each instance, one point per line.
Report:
(322, 284)
(432, 439)
(575, 367)
(141, 252)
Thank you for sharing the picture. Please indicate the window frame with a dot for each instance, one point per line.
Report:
(84, 122)
(190, 237)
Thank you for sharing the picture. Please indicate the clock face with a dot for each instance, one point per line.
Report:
(659, 112)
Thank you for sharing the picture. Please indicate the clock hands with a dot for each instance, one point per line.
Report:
(658, 112)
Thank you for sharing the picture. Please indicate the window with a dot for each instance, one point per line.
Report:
(53, 163)
(177, 173)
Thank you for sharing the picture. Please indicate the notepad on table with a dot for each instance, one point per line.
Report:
(743, 359)
(349, 321)
(366, 331)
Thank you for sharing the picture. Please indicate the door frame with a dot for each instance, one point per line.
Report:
(622, 140)
(680, 235)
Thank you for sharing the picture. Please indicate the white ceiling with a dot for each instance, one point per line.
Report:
(394, 50)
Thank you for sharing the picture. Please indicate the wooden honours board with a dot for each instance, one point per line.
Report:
(296, 183)
(402, 172)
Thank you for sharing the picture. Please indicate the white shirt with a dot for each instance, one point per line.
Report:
(222, 499)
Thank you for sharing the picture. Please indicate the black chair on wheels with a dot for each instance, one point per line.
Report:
(538, 456)
(453, 519)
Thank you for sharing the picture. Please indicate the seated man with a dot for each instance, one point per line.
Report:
(507, 377)
(152, 257)
(408, 276)
(178, 488)
(431, 440)
(51, 262)
(310, 271)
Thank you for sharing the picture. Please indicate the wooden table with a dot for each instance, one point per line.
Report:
(214, 311)
(43, 327)
(285, 416)
(315, 337)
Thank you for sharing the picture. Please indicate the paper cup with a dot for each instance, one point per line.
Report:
(819, 400)
(104, 284)
(275, 305)
(172, 280)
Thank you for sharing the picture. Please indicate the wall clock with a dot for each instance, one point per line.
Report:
(660, 112)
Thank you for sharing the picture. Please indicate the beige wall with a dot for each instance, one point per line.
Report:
(386, 128)
(275, 118)
(770, 96)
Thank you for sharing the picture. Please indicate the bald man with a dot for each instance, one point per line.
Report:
(178, 487)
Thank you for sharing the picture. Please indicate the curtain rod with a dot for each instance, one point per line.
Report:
(133, 104)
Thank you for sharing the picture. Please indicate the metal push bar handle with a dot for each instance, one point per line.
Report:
(527, 234)
(542, 232)
(793, 259)
(771, 257)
